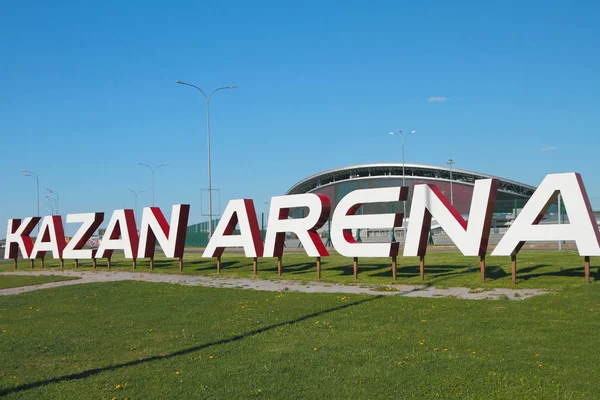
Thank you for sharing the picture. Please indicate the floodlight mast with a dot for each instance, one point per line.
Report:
(402, 135)
(451, 162)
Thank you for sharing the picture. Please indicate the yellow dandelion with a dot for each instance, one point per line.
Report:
(445, 349)
(259, 390)
(474, 352)
(177, 372)
(423, 320)
(435, 349)
(211, 357)
(537, 355)
(317, 323)
(3, 330)
(243, 307)
(315, 349)
(540, 365)
(422, 342)
(37, 310)
(399, 362)
(31, 308)
(118, 387)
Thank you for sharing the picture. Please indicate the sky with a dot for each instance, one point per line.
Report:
(88, 90)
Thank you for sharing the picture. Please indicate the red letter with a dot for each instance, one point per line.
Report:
(17, 237)
(241, 211)
(120, 234)
(156, 228)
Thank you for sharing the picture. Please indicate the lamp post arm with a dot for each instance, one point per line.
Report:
(195, 87)
(216, 90)
(146, 165)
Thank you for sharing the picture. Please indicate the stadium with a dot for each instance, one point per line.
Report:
(456, 184)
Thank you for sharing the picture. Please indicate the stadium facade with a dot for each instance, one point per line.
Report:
(456, 184)
(453, 183)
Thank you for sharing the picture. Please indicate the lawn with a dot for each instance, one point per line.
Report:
(11, 281)
(536, 269)
(150, 341)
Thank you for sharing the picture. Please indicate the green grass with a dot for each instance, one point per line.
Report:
(156, 341)
(11, 281)
(536, 269)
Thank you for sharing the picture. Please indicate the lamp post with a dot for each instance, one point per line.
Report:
(57, 200)
(52, 201)
(207, 98)
(153, 170)
(135, 195)
(37, 181)
(48, 208)
(402, 135)
(559, 218)
(451, 162)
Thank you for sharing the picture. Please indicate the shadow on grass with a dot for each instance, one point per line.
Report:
(578, 272)
(301, 268)
(294, 269)
(495, 272)
(411, 271)
(95, 371)
(531, 268)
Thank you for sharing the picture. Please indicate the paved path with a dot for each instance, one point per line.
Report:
(269, 285)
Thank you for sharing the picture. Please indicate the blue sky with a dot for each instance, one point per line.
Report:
(87, 90)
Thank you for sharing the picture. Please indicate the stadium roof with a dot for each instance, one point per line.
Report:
(394, 170)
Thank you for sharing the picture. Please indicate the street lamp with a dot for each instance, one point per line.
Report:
(52, 202)
(135, 194)
(153, 170)
(402, 134)
(451, 162)
(37, 180)
(47, 208)
(57, 200)
(207, 98)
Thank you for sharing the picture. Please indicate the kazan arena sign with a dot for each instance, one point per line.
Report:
(471, 237)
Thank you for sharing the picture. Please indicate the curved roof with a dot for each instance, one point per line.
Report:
(394, 170)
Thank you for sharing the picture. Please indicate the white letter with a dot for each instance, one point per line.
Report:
(471, 238)
(50, 238)
(17, 237)
(581, 228)
(305, 228)
(90, 222)
(120, 234)
(241, 211)
(344, 220)
(156, 228)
